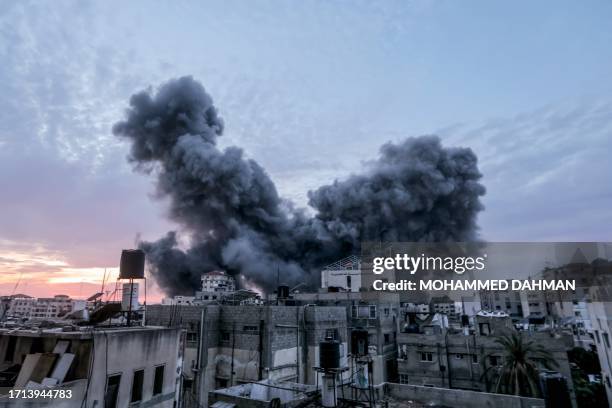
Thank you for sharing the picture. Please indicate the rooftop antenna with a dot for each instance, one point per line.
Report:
(103, 281)
(17, 283)
(277, 275)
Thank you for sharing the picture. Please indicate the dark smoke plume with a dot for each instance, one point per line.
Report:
(228, 205)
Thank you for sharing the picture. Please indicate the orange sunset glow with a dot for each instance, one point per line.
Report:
(40, 272)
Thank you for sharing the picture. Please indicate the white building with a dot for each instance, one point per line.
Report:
(21, 306)
(179, 300)
(601, 322)
(217, 281)
(345, 274)
(44, 308)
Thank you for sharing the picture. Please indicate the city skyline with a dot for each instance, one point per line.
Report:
(310, 93)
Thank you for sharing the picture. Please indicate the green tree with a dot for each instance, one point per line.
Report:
(518, 374)
(588, 394)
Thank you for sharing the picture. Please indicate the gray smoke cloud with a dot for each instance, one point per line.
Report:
(416, 190)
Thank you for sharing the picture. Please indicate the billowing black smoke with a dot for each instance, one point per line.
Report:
(229, 207)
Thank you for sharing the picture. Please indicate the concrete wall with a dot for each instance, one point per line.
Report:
(125, 351)
(463, 371)
(263, 341)
(459, 398)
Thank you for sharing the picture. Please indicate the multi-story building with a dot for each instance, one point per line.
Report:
(217, 281)
(21, 306)
(111, 367)
(601, 320)
(179, 300)
(438, 357)
(44, 308)
(507, 301)
(229, 345)
(344, 274)
(443, 305)
(375, 311)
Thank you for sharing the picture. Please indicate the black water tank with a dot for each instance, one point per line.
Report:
(329, 353)
(359, 342)
(132, 264)
(554, 388)
(283, 292)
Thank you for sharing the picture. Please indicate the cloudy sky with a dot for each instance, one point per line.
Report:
(310, 90)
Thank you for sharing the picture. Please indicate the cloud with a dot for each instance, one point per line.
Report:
(546, 171)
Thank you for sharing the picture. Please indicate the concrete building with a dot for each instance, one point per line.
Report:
(508, 301)
(217, 281)
(344, 274)
(20, 306)
(420, 309)
(230, 345)
(265, 394)
(443, 305)
(43, 308)
(601, 313)
(179, 300)
(436, 357)
(375, 311)
(110, 367)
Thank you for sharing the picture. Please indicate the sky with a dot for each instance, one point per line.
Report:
(308, 89)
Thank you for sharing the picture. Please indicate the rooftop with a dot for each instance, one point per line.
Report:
(71, 331)
(351, 262)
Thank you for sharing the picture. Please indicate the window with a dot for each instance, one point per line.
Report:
(475, 358)
(386, 310)
(112, 390)
(606, 339)
(494, 360)
(225, 336)
(249, 328)
(10, 349)
(348, 281)
(333, 333)
(158, 380)
(403, 378)
(597, 336)
(372, 312)
(426, 356)
(137, 386)
(387, 338)
(458, 356)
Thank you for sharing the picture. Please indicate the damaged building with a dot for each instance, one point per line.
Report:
(94, 367)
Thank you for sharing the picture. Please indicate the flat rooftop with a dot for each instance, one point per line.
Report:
(70, 331)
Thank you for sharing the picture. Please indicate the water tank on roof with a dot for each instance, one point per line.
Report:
(359, 342)
(283, 292)
(132, 264)
(329, 353)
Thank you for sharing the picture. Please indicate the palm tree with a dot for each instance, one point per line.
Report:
(519, 374)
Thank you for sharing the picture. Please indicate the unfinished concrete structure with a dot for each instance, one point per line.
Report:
(102, 367)
(231, 345)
